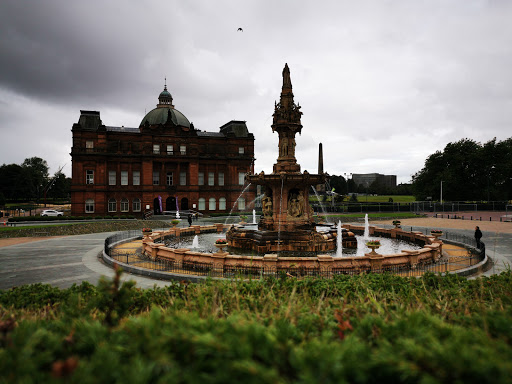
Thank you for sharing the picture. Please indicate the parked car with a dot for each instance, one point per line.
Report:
(51, 212)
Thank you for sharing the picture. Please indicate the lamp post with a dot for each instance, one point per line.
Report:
(441, 192)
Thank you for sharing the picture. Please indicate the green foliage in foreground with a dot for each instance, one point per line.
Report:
(79, 228)
(370, 328)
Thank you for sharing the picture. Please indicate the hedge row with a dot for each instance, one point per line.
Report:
(57, 218)
(350, 329)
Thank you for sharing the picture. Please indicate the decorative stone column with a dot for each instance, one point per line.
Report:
(376, 263)
(325, 263)
(270, 261)
(413, 257)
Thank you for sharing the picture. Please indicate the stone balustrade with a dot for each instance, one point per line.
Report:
(431, 252)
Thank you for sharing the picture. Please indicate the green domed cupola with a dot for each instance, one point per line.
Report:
(165, 112)
(165, 98)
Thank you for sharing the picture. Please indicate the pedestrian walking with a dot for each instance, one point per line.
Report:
(478, 236)
(189, 219)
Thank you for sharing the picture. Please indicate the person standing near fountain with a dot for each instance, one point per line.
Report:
(189, 218)
(478, 236)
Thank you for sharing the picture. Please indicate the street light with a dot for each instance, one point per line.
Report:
(441, 191)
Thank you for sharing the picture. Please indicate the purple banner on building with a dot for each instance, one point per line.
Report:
(177, 209)
(160, 202)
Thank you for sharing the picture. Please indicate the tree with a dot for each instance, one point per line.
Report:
(37, 169)
(468, 171)
(14, 181)
(339, 184)
(59, 186)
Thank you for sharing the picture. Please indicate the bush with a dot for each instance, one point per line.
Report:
(364, 328)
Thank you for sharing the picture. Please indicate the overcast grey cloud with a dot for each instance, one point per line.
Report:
(382, 84)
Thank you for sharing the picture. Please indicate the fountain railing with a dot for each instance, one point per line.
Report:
(407, 259)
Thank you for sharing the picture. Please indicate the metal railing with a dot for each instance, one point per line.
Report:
(134, 257)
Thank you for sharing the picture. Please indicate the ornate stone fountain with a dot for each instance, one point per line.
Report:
(287, 223)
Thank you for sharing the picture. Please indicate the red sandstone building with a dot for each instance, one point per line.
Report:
(164, 165)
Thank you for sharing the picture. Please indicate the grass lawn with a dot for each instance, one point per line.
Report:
(385, 199)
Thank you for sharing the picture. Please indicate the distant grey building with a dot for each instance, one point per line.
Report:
(366, 179)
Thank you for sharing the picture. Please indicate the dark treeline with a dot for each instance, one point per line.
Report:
(30, 180)
(469, 171)
(346, 187)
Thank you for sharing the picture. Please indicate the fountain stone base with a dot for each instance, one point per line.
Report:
(299, 240)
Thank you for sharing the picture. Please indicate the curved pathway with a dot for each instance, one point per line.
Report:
(60, 262)
(64, 261)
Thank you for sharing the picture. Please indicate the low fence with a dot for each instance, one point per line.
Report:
(134, 257)
(416, 206)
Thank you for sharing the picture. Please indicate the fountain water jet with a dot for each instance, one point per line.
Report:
(288, 221)
(339, 242)
(195, 242)
(366, 234)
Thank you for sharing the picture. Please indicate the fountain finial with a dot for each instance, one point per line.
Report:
(287, 82)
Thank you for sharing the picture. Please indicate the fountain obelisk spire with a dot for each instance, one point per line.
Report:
(287, 123)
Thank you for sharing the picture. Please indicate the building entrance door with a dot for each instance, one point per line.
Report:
(156, 206)
(170, 203)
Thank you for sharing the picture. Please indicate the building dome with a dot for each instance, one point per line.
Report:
(165, 112)
(161, 115)
(165, 93)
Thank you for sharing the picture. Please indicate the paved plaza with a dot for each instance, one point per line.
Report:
(63, 261)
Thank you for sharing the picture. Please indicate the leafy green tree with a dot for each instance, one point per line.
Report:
(37, 169)
(59, 186)
(468, 170)
(14, 182)
(339, 184)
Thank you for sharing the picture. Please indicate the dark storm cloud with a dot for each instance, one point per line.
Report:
(408, 76)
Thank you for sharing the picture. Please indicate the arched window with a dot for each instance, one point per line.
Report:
(222, 203)
(211, 204)
(89, 206)
(136, 205)
(241, 203)
(125, 205)
(112, 205)
(201, 204)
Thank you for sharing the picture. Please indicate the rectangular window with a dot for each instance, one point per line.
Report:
(241, 150)
(200, 178)
(222, 203)
(241, 178)
(112, 205)
(183, 149)
(170, 149)
(111, 177)
(124, 177)
(89, 176)
(136, 177)
(201, 204)
(89, 206)
(89, 144)
(125, 205)
(136, 205)
(169, 178)
(211, 178)
(156, 149)
(156, 178)
(183, 178)
(221, 178)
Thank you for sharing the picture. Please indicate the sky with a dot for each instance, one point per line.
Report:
(382, 83)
